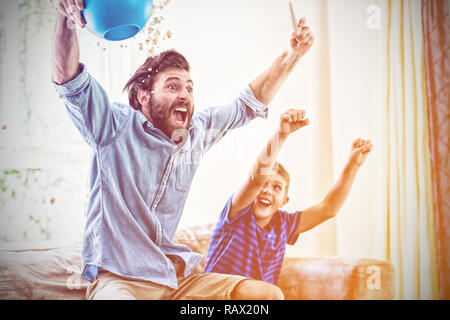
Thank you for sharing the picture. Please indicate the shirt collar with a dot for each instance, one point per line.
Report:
(142, 118)
(272, 223)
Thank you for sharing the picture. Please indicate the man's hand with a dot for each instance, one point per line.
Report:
(301, 39)
(291, 121)
(72, 10)
(65, 47)
(360, 149)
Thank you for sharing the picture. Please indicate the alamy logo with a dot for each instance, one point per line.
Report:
(374, 280)
(374, 19)
(73, 281)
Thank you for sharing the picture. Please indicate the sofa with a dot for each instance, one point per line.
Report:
(52, 272)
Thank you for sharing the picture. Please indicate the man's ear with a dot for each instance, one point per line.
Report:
(143, 97)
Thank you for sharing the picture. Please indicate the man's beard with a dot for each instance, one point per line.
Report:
(162, 118)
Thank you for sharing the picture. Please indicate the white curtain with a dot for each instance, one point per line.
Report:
(406, 169)
(377, 81)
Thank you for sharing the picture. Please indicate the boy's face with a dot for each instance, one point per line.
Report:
(272, 197)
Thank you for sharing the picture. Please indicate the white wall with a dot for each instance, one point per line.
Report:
(352, 45)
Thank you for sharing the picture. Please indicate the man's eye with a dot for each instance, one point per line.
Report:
(189, 90)
(172, 87)
(278, 188)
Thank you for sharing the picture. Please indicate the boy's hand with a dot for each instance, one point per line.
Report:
(360, 149)
(291, 121)
(301, 39)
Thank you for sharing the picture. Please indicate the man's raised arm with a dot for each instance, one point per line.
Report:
(66, 51)
(266, 85)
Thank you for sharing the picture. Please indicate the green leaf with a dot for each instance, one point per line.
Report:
(12, 171)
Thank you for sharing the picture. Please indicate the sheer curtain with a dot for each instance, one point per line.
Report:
(407, 190)
(377, 82)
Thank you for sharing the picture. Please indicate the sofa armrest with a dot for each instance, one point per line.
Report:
(329, 278)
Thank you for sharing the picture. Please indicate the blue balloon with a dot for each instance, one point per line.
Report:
(116, 20)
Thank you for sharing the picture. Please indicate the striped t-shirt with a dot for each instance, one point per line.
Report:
(241, 247)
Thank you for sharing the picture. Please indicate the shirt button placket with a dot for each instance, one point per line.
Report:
(158, 197)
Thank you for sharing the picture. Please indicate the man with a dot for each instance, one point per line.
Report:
(140, 177)
(252, 232)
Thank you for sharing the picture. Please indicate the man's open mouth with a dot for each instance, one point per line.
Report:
(179, 115)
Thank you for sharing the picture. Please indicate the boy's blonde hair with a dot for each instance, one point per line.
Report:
(278, 168)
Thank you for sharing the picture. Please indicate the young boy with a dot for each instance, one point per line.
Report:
(251, 234)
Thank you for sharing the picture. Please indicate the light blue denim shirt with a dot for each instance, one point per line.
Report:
(140, 179)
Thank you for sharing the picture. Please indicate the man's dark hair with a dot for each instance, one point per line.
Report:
(144, 76)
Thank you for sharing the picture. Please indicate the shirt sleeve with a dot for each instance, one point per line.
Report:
(224, 219)
(292, 220)
(215, 122)
(89, 108)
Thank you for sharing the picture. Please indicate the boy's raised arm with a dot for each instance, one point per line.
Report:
(336, 197)
(290, 121)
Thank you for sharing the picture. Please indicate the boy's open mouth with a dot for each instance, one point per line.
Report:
(264, 202)
(179, 116)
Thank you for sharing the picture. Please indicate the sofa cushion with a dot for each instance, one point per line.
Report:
(55, 272)
(197, 238)
(335, 278)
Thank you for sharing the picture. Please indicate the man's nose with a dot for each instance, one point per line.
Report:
(184, 95)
